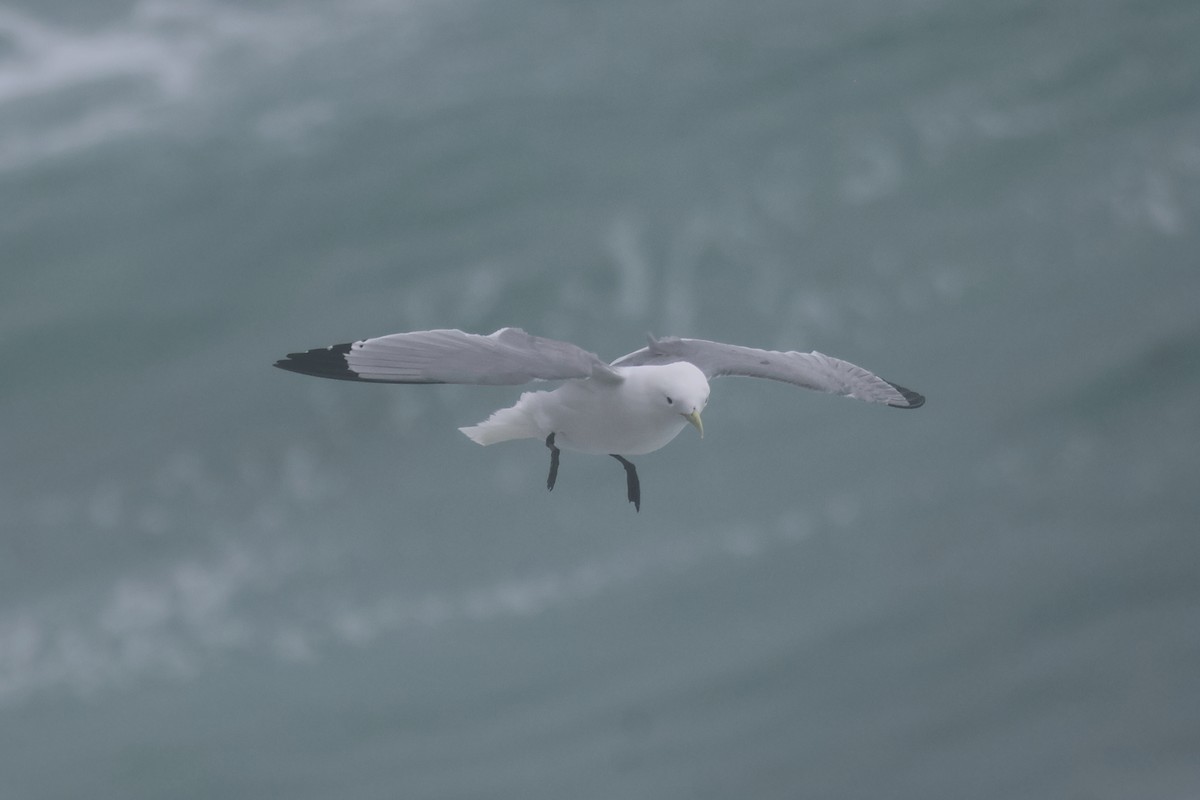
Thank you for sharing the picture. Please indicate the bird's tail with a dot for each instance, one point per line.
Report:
(514, 422)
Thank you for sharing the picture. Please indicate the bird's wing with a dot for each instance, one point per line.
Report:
(507, 357)
(811, 370)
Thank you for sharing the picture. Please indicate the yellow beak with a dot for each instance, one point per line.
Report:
(694, 418)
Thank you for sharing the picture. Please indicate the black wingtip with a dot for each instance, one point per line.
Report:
(912, 399)
(323, 362)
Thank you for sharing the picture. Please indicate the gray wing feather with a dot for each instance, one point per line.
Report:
(509, 356)
(810, 370)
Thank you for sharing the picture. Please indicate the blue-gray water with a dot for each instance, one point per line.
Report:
(218, 579)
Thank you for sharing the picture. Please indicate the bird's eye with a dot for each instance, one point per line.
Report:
(669, 400)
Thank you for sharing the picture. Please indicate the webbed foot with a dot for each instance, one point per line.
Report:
(553, 463)
(633, 487)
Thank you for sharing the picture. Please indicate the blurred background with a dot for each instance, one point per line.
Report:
(218, 579)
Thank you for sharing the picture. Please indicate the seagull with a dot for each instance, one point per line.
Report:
(632, 406)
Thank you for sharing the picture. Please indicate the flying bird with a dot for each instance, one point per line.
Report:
(629, 407)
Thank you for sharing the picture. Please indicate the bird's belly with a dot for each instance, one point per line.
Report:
(629, 441)
(595, 418)
(594, 434)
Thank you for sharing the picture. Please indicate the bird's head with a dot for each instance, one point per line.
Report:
(681, 389)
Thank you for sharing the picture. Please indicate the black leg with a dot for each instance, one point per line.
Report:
(553, 463)
(632, 485)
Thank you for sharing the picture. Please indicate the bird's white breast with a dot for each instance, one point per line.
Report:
(627, 418)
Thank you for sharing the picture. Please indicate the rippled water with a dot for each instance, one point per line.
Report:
(219, 579)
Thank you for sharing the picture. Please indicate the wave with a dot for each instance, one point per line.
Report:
(64, 90)
(183, 620)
